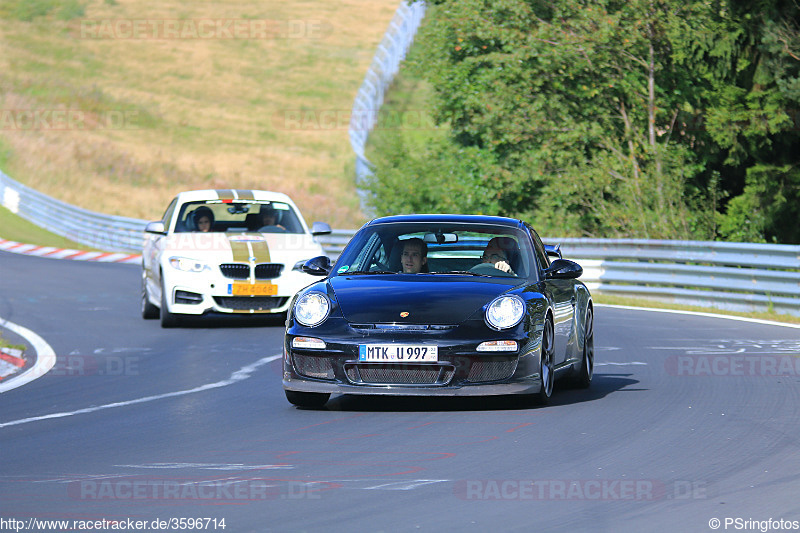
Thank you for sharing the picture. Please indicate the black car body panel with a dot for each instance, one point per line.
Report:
(371, 306)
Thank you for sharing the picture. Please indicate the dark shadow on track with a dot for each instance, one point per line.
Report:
(219, 320)
(602, 385)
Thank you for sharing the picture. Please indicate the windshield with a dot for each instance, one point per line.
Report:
(438, 249)
(237, 216)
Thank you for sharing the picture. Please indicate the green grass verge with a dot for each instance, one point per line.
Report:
(6, 344)
(15, 228)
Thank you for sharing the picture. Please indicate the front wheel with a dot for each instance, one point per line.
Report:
(149, 310)
(584, 378)
(168, 319)
(547, 363)
(307, 399)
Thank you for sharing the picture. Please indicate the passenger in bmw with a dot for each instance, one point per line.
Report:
(415, 256)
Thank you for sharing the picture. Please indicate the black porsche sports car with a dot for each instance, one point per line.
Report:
(424, 305)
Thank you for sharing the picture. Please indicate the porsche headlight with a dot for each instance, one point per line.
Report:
(505, 312)
(185, 264)
(312, 309)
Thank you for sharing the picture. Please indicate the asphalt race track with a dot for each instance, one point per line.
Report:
(689, 419)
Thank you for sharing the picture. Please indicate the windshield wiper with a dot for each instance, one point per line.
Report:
(463, 272)
(367, 272)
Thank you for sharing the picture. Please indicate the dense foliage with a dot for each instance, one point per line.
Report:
(636, 118)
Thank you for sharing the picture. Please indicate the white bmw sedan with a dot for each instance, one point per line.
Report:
(226, 251)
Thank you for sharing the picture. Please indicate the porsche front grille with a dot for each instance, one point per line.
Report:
(400, 374)
(313, 367)
(492, 369)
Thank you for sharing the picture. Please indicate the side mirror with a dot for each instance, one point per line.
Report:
(318, 266)
(320, 228)
(553, 250)
(156, 227)
(563, 269)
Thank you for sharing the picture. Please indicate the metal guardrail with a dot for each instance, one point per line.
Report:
(390, 53)
(735, 276)
(96, 230)
(725, 275)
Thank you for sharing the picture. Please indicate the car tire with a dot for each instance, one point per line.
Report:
(149, 311)
(547, 363)
(584, 377)
(307, 399)
(168, 320)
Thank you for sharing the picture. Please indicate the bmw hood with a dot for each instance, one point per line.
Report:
(242, 247)
(441, 299)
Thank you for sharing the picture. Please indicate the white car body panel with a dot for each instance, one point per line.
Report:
(207, 288)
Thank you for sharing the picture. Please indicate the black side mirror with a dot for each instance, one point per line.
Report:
(553, 250)
(320, 228)
(318, 266)
(563, 269)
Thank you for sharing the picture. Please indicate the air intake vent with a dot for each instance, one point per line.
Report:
(235, 270)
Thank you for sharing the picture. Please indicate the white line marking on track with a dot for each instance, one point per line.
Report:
(45, 357)
(709, 315)
(240, 375)
(207, 466)
(405, 485)
(629, 363)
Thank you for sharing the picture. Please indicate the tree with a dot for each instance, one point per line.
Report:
(613, 118)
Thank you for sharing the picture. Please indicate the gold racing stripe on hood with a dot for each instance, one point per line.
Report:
(244, 250)
(235, 194)
(244, 194)
(225, 194)
(260, 251)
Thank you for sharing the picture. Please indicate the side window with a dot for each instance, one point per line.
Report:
(288, 218)
(167, 218)
(364, 259)
(538, 247)
(380, 259)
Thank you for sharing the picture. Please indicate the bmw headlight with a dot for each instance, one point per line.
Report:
(185, 264)
(505, 312)
(312, 309)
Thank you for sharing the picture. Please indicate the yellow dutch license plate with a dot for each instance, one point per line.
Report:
(248, 289)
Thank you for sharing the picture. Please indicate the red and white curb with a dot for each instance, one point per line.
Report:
(11, 361)
(45, 358)
(65, 253)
